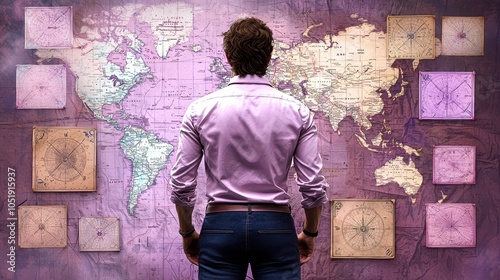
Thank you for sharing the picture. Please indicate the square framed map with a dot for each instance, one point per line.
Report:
(362, 228)
(64, 159)
(411, 37)
(48, 27)
(463, 36)
(99, 234)
(446, 95)
(454, 165)
(43, 226)
(40, 86)
(450, 225)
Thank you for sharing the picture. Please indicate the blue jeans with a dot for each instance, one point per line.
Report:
(229, 241)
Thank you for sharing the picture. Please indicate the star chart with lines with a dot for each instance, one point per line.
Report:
(48, 27)
(99, 234)
(363, 229)
(454, 165)
(42, 226)
(411, 37)
(446, 95)
(40, 86)
(64, 159)
(450, 225)
(463, 36)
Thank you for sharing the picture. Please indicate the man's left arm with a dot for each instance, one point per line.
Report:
(190, 237)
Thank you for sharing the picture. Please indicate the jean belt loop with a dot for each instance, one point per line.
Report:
(249, 208)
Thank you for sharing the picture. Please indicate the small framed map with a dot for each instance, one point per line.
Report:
(40, 86)
(411, 37)
(64, 159)
(99, 234)
(450, 225)
(446, 95)
(43, 226)
(48, 27)
(463, 36)
(454, 165)
(363, 229)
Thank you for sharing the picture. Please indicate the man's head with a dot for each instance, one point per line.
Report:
(248, 45)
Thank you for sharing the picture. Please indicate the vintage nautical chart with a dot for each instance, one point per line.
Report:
(40, 86)
(411, 37)
(463, 36)
(64, 159)
(446, 95)
(450, 225)
(48, 27)
(454, 165)
(99, 234)
(363, 229)
(42, 226)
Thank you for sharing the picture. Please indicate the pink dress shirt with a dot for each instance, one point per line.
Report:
(248, 134)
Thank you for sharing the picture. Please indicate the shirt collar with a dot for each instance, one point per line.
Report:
(250, 80)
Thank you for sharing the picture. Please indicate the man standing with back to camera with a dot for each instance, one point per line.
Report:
(248, 134)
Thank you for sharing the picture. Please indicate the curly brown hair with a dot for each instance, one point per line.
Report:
(248, 45)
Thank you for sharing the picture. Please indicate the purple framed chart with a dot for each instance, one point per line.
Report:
(48, 27)
(40, 87)
(446, 95)
(450, 225)
(454, 165)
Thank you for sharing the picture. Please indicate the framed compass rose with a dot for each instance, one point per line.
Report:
(411, 37)
(99, 234)
(64, 159)
(363, 229)
(43, 226)
(463, 36)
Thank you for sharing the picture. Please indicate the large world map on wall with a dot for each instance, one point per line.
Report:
(135, 66)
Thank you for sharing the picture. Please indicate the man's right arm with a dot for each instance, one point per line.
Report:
(307, 241)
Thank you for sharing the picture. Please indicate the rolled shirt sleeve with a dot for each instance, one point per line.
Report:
(308, 165)
(184, 173)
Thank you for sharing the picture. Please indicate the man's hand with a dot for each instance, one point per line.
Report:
(190, 245)
(306, 247)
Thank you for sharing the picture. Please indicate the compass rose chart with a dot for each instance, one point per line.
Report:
(99, 234)
(454, 165)
(363, 229)
(446, 95)
(450, 225)
(64, 159)
(40, 86)
(42, 226)
(463, 36)
(411, 37)
(48, 27)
